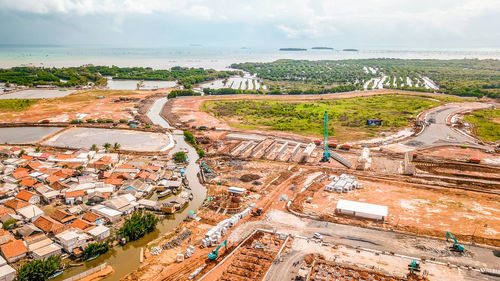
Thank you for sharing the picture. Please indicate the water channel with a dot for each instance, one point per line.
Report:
(126, 259)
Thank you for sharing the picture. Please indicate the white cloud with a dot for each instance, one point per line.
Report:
(313, 19)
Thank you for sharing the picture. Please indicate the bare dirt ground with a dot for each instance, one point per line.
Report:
(100, 275)
(82, 105)
(460, 154)
(424, 211)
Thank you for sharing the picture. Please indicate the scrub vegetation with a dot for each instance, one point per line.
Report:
(467, 77)
(307, 117)
(15, 105)
(486, 124)
(95, 75)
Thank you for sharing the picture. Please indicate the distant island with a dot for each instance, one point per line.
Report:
(350, 50)
(292, 49)
(322, 48)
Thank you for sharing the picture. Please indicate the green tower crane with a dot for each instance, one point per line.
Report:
(326, 153)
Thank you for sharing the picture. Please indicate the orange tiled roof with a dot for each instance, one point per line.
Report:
(91, 217)
(29, 182)
(113, 181)
(26, 157)
(16, 204)
(75, 193)
(81, 224)
(142, 175)
(4, 210)
(151, 168)
(18, 175)
(34, 165)
(47, 224)
(13, 249)
(62, 216)
(25, 195)
(52, 179)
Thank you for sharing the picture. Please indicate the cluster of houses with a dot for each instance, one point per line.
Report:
(57, 203)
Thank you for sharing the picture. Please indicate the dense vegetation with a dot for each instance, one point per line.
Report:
(94, 249)
(180, 157)
(465, 77)
(189, 137)
(39, 270)
(15, 104)
(307, 117)
(138, 225)
(182, 93)
(486, 124)
(95, 75)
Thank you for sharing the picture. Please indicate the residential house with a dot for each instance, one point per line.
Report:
(99, 232)
(72, 238)
(137, 186)
(48, 225)
(73, 197)
(52, 249)
(28, 182)
(94, 218)
(96, 198)
(5, 237)
(103, 163)
(16, 204)
(110, 214)
(63, 216)
(29, 197)
(30, 213)
(81, 224)
(7, 273)
(120, 204)
(28, 230)
(14, 250)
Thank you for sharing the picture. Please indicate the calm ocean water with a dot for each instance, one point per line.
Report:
(208, 57)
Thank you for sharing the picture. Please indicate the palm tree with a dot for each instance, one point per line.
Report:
(107, 146)
(116, 146)
(94, 147)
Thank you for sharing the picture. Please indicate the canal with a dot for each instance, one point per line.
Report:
(126, 259)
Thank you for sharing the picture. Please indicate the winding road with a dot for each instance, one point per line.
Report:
(437, 132)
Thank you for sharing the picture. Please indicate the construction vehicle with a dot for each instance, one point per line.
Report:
(215, 253)
(456, 246)
(473, 160)
(414, 267)
(206, 169)
(326, 152)
(257, 212)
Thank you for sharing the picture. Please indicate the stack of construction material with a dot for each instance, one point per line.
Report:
(214, 234)
(190, 251)
(344, 183)
(156, 251)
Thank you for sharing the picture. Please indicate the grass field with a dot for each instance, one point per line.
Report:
(486, 123)
(15, 105)
(347, 117)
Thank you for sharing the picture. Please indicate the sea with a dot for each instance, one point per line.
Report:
(218, 58)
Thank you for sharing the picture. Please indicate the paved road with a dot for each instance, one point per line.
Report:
(437, 132)
(371, 239)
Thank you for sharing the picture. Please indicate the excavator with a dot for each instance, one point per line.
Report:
(215, 253)
(456, 246)
(414, 267)
(207, 170)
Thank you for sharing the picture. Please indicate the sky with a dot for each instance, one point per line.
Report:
(388, 24)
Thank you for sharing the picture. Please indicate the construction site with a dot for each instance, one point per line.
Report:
(290, 207)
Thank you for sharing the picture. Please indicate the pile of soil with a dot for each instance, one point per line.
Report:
(249, 177)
